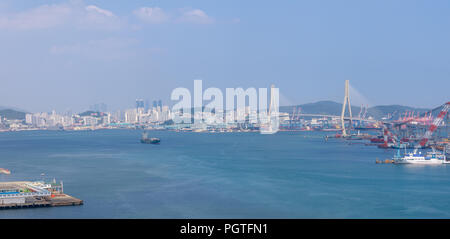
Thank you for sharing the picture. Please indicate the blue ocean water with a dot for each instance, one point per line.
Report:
(229, 175)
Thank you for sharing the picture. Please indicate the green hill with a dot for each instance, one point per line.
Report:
(396, 110)
(334, 108)
(12, 114)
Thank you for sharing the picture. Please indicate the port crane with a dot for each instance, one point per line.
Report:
(431, 157)
(417, 119)
(434, 125)
(365, 112)
(362, 114)
(388, 135)
(406, 120)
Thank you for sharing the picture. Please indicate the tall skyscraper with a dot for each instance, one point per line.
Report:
(139, 103)
(147, 105)
(101, 107)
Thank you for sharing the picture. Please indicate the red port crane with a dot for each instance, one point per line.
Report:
(436, 122)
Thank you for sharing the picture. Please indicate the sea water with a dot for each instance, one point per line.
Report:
(221, 175)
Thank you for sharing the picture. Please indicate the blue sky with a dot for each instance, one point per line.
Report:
(72, 54)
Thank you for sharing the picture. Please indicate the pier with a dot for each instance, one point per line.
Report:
(15, 195)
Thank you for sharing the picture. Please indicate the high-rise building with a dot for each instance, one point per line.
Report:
(118, 116)
(90, 121)
(131, 116)
(29, 119)
(160, 103)
(139, 103)
(147, 105)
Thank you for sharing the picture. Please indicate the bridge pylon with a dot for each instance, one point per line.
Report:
(346, 101)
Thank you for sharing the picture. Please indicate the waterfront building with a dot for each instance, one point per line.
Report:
(131, 116)
(90, 120)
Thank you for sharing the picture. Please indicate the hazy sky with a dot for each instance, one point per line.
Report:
(72, 54)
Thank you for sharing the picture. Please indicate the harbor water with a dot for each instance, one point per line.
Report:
(221, 175)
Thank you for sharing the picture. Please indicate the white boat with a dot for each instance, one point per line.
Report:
(431, 157)
(267, 129)
(272, 126)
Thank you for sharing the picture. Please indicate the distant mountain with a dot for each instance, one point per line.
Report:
(320, 107)
(11, 108)
(396, 110)
(12, 114)
(334, 108)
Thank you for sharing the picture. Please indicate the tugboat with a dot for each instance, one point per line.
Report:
(146, 140)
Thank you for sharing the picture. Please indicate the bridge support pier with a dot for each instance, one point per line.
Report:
(346, 100)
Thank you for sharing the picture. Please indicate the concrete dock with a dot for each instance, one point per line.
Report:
(34, 194)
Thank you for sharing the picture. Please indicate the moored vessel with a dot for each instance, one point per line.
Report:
(415, 157)
(146, 140)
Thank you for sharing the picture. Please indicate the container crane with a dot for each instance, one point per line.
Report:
(387, 134)
(436, 122)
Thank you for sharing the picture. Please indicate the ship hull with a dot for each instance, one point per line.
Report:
(150, 141)
(421, 162)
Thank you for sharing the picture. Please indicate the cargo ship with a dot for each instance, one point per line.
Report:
(379, 139)
(146, 140)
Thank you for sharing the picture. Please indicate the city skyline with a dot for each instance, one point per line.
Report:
(73, 54)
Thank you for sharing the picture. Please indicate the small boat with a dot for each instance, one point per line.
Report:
(267, 129)
(4, 171)
(270, 127)
(146, 140)
(354, 137)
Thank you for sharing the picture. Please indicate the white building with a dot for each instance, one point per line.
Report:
(29, 119)
(90, 121)
(131, 116)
